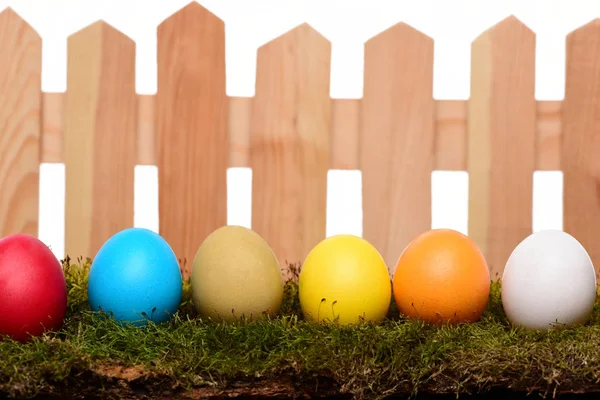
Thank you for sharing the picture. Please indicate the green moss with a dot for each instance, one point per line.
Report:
(367, 361)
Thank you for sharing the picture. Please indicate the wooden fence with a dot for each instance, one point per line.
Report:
(291, 133)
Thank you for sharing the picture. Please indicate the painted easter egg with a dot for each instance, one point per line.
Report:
(344, 280)
(236, 276)
(33, 290)
(135, 278)
(549, 280)
(442, 277)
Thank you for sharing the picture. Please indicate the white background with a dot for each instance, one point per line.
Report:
(453, 24)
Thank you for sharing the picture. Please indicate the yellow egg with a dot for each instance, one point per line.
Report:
(235, 273)
(344, 279)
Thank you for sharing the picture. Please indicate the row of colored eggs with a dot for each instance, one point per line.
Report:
(440, 276)
(443, 277)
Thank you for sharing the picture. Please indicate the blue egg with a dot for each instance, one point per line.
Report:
(135, 277)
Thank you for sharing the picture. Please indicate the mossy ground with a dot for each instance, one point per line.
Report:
(288, 357)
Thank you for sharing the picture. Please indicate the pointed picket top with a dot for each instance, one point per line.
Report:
(9, 12)
(100, 28)
(194, 12)
(584, 30)
(510, 23)
(10, 15)
(400, 31)
(509, 29)
(301, 33)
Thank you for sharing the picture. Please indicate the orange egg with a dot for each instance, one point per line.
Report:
(442, 276)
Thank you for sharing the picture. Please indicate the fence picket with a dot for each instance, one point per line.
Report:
(501, 140)
(20, 124)
(290, 135)
(99, 139)
(191, 118)
(397, 139)
(580, 152)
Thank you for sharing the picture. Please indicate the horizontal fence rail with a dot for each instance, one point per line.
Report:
(450, 151)
(291, 133)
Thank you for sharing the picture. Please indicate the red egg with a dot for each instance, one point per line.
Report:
(33, 290)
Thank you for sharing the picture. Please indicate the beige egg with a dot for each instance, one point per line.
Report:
(235, 273)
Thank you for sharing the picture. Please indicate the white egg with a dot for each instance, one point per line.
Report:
(549, 280)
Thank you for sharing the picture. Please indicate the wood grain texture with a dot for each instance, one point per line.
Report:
(451, 135)
(191, 118)
(450, 132)
(20, 124)
(397, 139)
(53, 119)
(146, 134)
(345, 134)
(100, 137)
(580, 155)
(290, 130)
(240, 113)
(548, 134)
(501, 140)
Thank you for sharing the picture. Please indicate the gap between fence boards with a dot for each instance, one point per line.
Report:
(450, 129)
